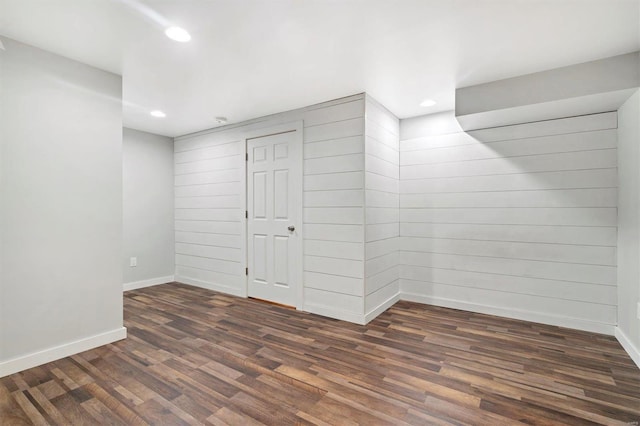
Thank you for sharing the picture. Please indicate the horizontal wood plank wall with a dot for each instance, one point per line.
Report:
(382, 228)
(334, 210)
(209, 216)
(209, 211)
(517, 221)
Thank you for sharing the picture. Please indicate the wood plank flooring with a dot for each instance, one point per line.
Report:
(198, 357)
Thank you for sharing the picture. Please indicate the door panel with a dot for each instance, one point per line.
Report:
(281, 261)
(260, 258)
(281, 190)
(272, 187)
(260, 195)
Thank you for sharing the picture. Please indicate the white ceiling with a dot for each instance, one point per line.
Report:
(250, 58)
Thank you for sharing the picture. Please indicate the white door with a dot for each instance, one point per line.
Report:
(274, 240)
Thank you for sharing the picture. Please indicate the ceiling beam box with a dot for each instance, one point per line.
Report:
(587, 88)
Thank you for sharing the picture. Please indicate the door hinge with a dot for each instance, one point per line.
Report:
(246, 157)
(246, 271)
(246, 214)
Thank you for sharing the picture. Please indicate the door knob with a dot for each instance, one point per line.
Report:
(291, 228)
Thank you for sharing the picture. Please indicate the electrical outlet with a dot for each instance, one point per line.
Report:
(638, 313)
(133, 262)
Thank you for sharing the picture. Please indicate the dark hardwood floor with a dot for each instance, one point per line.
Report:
(199, 357)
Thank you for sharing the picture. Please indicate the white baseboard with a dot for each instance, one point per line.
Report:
(574, 323)
(381, 308)
(628, 346)
(211, 286)
(327, 311)
(134, 285)
(47, 355)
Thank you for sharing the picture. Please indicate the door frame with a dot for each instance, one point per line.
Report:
(298, 171)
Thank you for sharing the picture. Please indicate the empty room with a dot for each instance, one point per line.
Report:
(319, 212)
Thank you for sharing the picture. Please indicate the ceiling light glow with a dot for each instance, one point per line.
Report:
(427, 103)
(178, 34)
(158, 113)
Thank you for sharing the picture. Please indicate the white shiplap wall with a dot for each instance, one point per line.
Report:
(210, 216)
(517, 221)
(209, 210)
(382, 226)
(334, 209)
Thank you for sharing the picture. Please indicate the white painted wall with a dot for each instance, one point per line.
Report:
(382, 214)
(148, 198)
(517, 221)
(60, 207)
(209, 214)
(629, 226)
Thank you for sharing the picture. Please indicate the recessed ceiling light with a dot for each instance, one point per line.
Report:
(158, 113)
(427, 103)
(177, 34)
